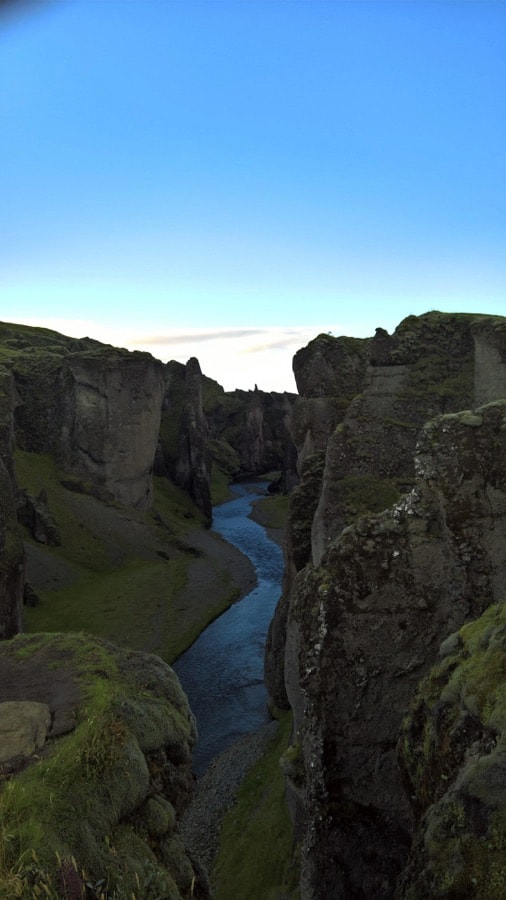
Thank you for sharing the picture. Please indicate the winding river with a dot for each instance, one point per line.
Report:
(222, 672)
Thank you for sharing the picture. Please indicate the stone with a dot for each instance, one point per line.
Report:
(24, 725)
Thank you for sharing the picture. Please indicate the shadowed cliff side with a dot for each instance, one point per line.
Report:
(93, 407)
(11, 547)
(369, 597)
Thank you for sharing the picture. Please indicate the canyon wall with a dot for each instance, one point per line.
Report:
(396, 538)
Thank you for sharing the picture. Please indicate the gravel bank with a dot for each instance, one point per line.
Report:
(216, 791)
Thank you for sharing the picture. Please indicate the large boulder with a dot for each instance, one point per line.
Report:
(97, 800)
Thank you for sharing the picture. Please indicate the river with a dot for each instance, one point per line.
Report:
(222, 672)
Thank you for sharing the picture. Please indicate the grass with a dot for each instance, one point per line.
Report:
(257, 856)
(119, 572)
(272, 512)
(98, 770)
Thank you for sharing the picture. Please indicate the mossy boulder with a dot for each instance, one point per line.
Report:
(98, 804)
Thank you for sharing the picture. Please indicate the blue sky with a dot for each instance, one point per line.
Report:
(227, 179)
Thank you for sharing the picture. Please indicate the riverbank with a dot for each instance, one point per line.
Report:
(215, 793)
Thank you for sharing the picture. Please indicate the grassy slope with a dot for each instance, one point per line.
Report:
(257, 856)
(109, 577)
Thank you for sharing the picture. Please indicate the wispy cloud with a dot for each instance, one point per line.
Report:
(197, 337)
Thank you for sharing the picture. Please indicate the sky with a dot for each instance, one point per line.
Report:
(227, 179)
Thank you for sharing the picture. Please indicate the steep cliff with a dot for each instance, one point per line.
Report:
(249, 431)
(99, 779)
(183, 451)
(95, 408)
(11, 547)
(451, 752)
(370, 595)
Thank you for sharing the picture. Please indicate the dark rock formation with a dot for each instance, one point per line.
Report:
(95, 408)
(35, 515)
(249, 431)
(193, 467)
(11, 547)
(370, 595)
(452, 760)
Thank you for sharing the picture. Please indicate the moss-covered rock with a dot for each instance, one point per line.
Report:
(100, 803)
(452, 753)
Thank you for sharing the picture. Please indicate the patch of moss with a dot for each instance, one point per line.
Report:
(452, 750)
(258, 857)
(99, 771)
(362, 494)
(272, 511)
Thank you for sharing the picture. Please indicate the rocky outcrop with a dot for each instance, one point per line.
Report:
(451, 754)
(95, 408)
(123, 763)
(377, 578)
(193, 466)
(12, 572)
(250, 432)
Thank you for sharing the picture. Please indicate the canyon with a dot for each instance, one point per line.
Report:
(387, 644)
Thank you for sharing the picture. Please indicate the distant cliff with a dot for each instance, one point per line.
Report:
(396, 539)
(110, 420)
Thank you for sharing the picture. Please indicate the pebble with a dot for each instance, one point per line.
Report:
(215, 793)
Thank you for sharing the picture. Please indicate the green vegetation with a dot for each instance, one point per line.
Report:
(257, 856)
(452, 742)
(225, 465)
(272, 511)
(119, 572)
(367, 494)
(66, 806)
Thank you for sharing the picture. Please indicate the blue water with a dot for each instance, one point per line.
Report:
(222, 672)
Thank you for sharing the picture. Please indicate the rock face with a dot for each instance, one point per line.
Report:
(124, 767)
(97, 412)
(249, 431)
(24, 725)
(451, 753)
(12, 573)
(396, 539)
(183, 451)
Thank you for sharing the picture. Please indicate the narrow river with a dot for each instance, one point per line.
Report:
(222, 672)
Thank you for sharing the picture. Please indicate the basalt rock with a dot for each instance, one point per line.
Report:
(95, 408)
(33, 512)
(12, 569)
(396, 537)
(249, 432)
(451, 754)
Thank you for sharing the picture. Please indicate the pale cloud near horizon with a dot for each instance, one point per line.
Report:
(234, 357)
